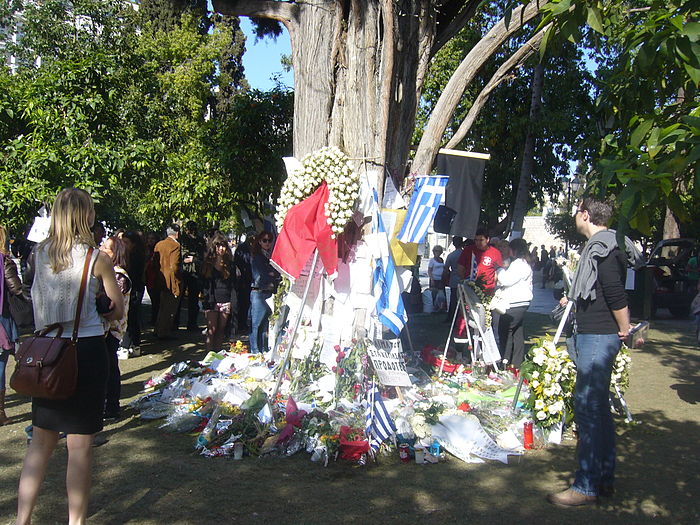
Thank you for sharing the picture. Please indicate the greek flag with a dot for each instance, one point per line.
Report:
(387, 287)
(378, 423)
(427, 194)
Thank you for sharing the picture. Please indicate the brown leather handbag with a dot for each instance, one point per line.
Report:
(47, 367)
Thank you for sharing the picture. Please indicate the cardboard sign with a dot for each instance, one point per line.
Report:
(387, 359)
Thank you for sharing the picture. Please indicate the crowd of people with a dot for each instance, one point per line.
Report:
(234, 287)
(497, 265)
(181, 271)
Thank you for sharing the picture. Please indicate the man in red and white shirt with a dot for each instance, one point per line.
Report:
(480, 261)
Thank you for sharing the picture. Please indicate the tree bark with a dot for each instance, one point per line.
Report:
(528, 163)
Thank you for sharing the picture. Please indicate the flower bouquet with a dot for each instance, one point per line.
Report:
(620, 378)
(551, 376)
(353, 443)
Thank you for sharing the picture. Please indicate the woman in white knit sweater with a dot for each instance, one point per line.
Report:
(516, 282)
(56, 271)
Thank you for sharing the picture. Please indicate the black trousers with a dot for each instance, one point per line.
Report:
(190, 282)
(511, 341)
(133, 319)
(114, 377)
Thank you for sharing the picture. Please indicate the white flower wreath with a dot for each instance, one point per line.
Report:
(329, 164)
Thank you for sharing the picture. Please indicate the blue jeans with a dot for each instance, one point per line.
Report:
(595, 355)
(259, 314)
(4, 356)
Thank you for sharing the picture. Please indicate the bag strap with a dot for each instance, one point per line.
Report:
(81, 294)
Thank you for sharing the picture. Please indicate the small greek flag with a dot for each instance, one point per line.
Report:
(387, 287)
(427, 194)
(378, 423)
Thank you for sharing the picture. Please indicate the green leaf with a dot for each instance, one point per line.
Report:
(640, 132)
(693, 73)
(545, 39)
(665, 185)
(595, 20)
(561, 7)
(692, 31)
(691, 121)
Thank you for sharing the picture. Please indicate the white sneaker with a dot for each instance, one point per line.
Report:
(123, 353)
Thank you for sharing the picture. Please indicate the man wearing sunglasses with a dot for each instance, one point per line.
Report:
(602, 323)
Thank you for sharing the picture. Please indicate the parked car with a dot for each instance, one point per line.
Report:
(674, 267)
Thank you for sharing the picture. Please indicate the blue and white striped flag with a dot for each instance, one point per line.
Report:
(378, 423)
(427, 194)
(387, 286)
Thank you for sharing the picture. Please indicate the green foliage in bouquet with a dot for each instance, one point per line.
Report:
(309, 370)
(350, 370)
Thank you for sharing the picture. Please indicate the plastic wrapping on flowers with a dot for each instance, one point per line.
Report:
(224, 402)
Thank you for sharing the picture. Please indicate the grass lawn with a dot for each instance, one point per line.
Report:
(143, 475)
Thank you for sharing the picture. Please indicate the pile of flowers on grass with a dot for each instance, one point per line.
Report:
(322, 407)
(224, 403)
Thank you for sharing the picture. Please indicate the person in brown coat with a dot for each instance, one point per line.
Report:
(168, 256)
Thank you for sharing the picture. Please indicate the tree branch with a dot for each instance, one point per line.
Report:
(285, 12)
(453, 16)
(460, 79)
(516, 60)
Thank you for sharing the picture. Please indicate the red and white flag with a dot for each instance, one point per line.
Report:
(305, 227)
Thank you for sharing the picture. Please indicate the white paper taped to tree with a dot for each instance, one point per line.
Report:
(464, 437)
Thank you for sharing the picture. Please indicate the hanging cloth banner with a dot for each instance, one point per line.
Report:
(306, 228)
(463, 193)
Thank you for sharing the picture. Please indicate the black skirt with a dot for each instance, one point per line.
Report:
(83, 412)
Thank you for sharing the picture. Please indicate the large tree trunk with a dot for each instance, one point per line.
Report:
(528, 163)
(358, 71)
(359, 67)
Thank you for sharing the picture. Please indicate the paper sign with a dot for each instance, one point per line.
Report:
(40, 229)
(388, 362)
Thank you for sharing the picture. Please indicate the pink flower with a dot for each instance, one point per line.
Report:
(334, 368)
(337, 348)
(341, 371)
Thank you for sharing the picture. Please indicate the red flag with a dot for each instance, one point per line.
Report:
(305, 228)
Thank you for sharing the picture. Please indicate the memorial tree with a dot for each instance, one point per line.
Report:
(360, 66)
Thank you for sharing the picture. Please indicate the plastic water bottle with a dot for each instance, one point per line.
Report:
(435, 448)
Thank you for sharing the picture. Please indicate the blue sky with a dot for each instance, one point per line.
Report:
(262, 59)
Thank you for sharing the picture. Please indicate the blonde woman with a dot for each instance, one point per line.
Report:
(55, 272)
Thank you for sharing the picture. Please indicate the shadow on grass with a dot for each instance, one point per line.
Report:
(145, 476)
